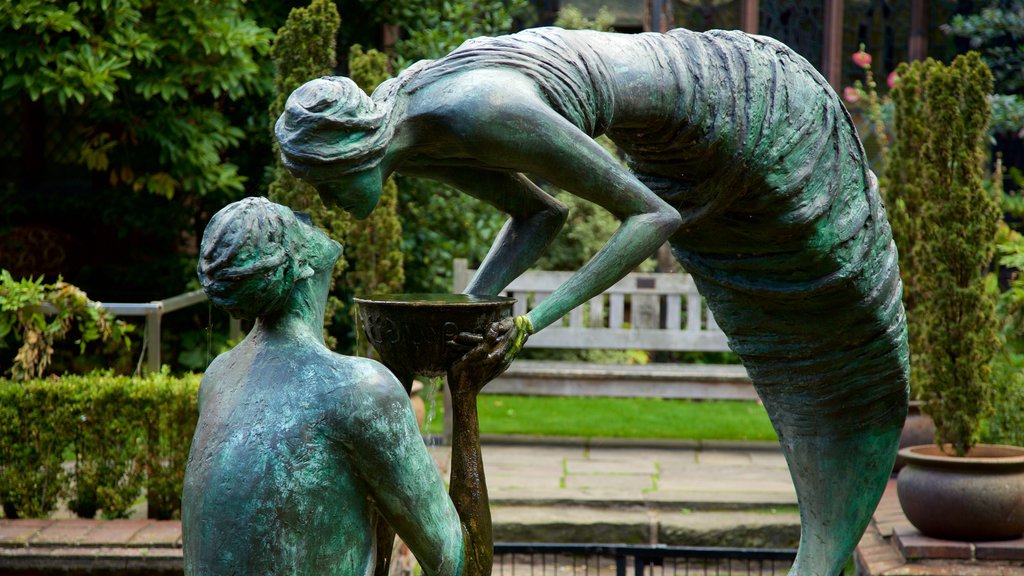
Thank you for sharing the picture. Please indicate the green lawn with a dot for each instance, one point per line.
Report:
(620, 418)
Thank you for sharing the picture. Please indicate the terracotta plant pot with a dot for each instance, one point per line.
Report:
(977, 497)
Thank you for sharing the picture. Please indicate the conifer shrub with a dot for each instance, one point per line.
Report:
(935, 176)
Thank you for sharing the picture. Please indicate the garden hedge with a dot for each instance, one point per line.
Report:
(95, 441)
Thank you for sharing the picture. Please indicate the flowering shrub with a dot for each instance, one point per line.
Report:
(877, 110)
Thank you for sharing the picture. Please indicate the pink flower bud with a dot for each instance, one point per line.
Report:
(851, 95)
(862, 59)
(892, 79)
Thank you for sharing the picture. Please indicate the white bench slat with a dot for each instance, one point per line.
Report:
(555, 378)
(673, 316)
(628, 339)
(597, 311)
(650, 299)
(693, 312)
(712, 325)
(576, 317)
(616, 312)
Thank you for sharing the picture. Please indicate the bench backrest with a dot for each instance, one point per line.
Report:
(643, 311)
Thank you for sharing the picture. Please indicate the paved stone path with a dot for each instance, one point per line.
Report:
(677, 493)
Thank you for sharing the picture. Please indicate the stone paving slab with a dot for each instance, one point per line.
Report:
(64, 532)
(15, 534)
(672, 492)
(162, 533)
(578, 524)
(718, 500)
(633, 484)
(609, 466)
(114, 533)
(739, 529)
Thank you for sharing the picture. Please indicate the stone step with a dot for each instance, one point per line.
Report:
(638, 525)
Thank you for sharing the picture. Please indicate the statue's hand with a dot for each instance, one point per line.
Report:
(489, 354)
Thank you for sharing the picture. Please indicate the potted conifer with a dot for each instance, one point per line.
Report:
(957, 488)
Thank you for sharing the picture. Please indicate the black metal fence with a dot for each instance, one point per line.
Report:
(511, 559)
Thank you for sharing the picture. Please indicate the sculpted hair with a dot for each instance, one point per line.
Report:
(331, 127)
(248, 257)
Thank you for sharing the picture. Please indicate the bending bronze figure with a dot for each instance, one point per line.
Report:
(740, 155)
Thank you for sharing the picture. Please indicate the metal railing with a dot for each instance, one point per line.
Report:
(154, 312)
(538, 559)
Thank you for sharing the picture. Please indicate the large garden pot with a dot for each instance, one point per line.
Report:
(977, 497)
(918, 429)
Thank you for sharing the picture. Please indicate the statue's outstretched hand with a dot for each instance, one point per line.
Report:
(488, 354)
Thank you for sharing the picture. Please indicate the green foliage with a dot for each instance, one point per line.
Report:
(587, 229)
(998, 33)
(305, 49)
(571, 18)
(436, 27)
(23, 317)
(440, 224)
(942, 116)
(125, 434)
(142, 85)
(1007, 114)
(1007, 423)
(374, 245)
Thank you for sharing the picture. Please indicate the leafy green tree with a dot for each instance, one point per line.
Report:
(942, 116)
(997, 32)
(433, 28)
(305, 49)
(571, 18)
(143, 84)
(438, 223)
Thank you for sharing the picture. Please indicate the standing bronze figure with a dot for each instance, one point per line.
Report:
(301, 453)
(740, 155)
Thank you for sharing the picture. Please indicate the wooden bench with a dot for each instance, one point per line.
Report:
(643, 311)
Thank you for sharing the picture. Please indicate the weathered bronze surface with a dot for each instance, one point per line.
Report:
(301, 455)
(739, 154)
(413, 332)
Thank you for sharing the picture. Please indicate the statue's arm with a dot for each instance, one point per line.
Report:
(535, 218)
(552, 148)
(387, 451)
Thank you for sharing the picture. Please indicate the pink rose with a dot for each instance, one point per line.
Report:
(892, 79)
(851, 95)
(862, 59)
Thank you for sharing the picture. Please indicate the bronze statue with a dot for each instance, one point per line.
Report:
(740, 155)
(300, 453)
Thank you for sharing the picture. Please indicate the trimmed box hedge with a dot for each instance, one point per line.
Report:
(95, 441)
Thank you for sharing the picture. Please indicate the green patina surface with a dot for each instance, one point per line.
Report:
(740, 155)
(300, 454)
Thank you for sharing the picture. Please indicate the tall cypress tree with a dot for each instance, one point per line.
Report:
(942, 115)
(374, 248)
(305, 49)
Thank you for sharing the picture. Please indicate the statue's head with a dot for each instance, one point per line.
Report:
(254, 252)
(331, 132)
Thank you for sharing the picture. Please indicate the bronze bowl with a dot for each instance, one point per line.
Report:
(411, 331)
